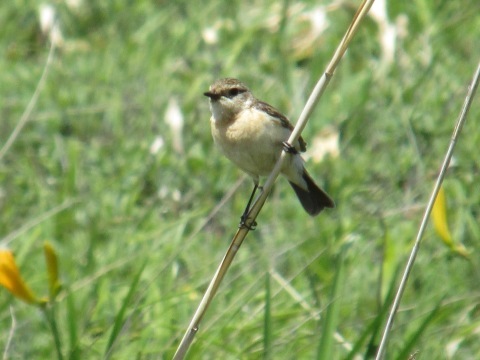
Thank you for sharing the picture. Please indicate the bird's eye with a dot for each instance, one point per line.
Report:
(233, 92)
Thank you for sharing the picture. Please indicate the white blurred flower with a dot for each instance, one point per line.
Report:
(402, 26)
(47, 18)
(318, 19)
(210, 35)
(49, 25)
(164, 192)
(74, 4)
(326, 143)
(174, 119)
(389, 31)
(176, 195)
(309, 26)
(157, 144)
(56, 36)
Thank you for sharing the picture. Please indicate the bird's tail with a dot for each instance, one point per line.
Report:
(314, 199)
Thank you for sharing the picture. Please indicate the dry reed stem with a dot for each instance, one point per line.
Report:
(257, 206)
(413, 254)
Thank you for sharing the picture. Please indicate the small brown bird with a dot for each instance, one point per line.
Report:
(251, 133)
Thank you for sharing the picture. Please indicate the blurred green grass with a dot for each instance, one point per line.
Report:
(87, 147)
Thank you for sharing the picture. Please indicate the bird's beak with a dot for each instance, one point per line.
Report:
(212, 95)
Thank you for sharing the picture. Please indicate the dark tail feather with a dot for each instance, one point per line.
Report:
(315, 199)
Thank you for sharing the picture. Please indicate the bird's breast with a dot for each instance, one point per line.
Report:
(252, 140)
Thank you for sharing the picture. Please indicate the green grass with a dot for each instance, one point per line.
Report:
(86, 149)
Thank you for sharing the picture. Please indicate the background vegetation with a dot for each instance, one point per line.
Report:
(120, 191)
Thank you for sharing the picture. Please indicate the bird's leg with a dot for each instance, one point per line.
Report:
(244, 217)
(288, 148)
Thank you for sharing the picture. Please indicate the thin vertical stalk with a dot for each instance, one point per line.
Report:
(49, 312)
(413, 254)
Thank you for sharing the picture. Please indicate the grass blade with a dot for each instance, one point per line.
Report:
(267, 325)
(330, 319)
(375, 326)
(408, 350)
(74, 352)
(120, 318)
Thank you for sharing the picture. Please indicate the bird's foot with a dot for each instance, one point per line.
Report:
(243, 223)
(288, 148)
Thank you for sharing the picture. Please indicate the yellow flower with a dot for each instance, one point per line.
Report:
(439, 214)
(11, 279)
(440, 223)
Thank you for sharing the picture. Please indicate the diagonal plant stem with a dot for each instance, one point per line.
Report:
(38, 220)
(13, 327)
(257, 206)
(413, 254)
(31, 104)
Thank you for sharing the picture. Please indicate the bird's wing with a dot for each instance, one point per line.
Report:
(283, 120)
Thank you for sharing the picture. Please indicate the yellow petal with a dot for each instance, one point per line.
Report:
(439, 214)
(52, 268)
(11, 279)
